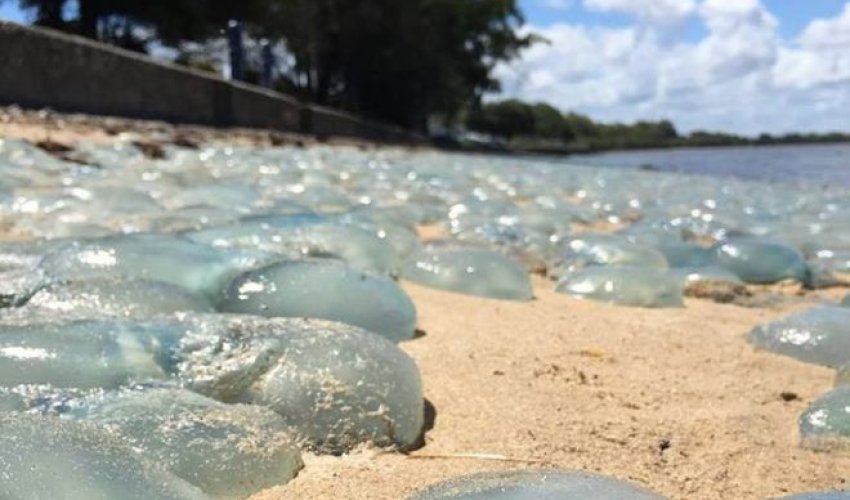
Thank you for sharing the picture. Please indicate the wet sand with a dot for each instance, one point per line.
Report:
(673, 399)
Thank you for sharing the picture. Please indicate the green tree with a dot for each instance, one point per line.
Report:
(394, 60)
(508, 118)
(48, 13)
(549, 122)
(398, 61)
(134, 23)
(580, 125)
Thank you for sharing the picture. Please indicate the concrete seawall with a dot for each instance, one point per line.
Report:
(47, 69)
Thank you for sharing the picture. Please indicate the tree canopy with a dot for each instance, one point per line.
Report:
(399, 61)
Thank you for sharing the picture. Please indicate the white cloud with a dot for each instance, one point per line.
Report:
(659, 12)
(739, 76)
(828, 33)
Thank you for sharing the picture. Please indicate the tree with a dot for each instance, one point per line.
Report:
(399, 61)
(135, 23)
(549, 122)
(48, 13)
(581, 125)
(508, 118)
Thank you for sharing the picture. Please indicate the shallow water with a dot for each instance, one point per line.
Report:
(811, 163)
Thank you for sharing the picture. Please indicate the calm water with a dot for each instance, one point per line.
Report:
(821, 164)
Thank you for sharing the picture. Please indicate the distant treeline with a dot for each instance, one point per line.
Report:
(541, 127)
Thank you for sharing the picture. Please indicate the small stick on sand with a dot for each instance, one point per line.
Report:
(477, 456)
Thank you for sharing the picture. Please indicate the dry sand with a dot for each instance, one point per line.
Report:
(672, 399)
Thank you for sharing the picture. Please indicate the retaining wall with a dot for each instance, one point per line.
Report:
(47, 69)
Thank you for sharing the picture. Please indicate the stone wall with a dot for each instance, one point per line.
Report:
(47, 69)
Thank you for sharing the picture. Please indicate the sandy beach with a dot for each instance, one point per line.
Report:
(672, 399)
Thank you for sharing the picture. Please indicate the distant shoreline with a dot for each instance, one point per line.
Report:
(566, 151)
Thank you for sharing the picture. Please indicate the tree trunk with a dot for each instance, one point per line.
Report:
(50, 14)
(90, 12)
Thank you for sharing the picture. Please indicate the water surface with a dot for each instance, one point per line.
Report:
(811, 163)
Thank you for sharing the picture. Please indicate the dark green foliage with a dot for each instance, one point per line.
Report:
(48, 13)
(134, 23)
(399, 61)
(506, 118)
(550, 123)
(540, 127)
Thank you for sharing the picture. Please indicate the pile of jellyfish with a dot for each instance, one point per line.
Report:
(155, 313)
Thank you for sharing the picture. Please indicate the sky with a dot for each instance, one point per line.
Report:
(743, 66)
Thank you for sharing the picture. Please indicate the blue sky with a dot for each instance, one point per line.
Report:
(9, 11)
(745, 66)
(793, 15)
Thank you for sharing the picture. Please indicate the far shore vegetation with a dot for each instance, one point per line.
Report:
(514, 125)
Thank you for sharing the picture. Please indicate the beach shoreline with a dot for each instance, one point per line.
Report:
(675, 400)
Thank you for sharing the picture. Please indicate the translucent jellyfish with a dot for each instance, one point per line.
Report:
(506, 235)
(757, 260)
(306, 235)
(115, 199)
(471, 271)
(818, 276)
(833, 260)
(707, 273)
(625, 286)
(336, 385)
(198, 268)
(387, 227)
(820, 335)
(18, 285)
(45, 399)
(115, 297)
(819, 495)
(192, 219)
(542, 484)
(684, 254)
(11, 401)
(359, 247)
(595, 249)
(24, 254)
(264, 231)
(842, 376)
(44, 457)
(323, 289)
(86, 354)
(826, 422)
(238, 196)
(229, 451)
